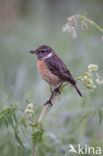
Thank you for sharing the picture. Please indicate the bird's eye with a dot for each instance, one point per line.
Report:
(43, 50)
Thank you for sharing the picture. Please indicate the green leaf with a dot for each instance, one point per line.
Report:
(17, 136)
(34, 125)
(8, 116)
(37, 135)
(23, 122)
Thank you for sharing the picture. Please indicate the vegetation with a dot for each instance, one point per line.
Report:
(71, 120)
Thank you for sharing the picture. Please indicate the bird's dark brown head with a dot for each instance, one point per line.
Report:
(42, 51)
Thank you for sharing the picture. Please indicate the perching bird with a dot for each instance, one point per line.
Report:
(52, 69)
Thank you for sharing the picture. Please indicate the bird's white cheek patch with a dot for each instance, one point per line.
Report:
(48, 56)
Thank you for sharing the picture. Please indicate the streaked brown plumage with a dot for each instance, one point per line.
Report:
(51, 67)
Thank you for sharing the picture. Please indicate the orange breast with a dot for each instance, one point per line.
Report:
(46, 74)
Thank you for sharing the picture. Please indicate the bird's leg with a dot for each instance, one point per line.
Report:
(50, 99)
(55, 91)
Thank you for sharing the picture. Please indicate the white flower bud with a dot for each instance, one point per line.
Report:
(92, 67)
(66, 28)
(99, 81)
(29, 111)
(91, 86)
(30, 106)
(74, 34)
(86, 78)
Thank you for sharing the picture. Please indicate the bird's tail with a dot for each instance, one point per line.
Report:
(78, 91)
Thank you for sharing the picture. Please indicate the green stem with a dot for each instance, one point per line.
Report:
(90, 22)
(78, 78)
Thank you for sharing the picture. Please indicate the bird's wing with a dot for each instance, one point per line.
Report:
(57, 67)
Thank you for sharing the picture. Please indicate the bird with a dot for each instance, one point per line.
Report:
(52, 69)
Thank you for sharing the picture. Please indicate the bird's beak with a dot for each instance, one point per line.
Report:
(33, 51)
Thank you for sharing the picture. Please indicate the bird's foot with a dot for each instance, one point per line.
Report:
(48, 102)
(57, 90)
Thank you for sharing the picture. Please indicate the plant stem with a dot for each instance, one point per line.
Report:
(46, 108)
(41, 118)
(35, 151)
(43, 113)
(90, 22)
(78, 78)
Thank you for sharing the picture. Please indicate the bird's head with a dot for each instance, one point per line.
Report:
(43, 51)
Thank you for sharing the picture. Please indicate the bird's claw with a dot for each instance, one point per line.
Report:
(57, 90)
(48, 102)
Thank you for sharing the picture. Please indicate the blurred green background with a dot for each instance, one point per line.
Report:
(26, 24)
